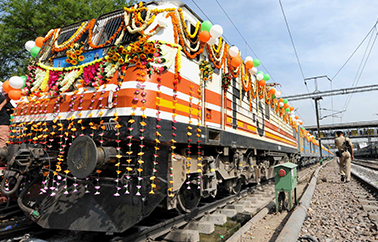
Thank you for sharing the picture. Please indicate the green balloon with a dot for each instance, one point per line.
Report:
(287, 110)
(256, 62)
(266, 77)
(206, 26)
(285, 101)
(24, 78)
(260, 72)
(273, 96)
(34, 51)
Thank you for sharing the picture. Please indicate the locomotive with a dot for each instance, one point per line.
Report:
(131, 111)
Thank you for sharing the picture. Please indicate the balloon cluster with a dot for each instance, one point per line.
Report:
(13, 86)
(210, 33)
(34, 46)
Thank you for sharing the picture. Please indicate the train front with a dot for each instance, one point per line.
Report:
(91, 140)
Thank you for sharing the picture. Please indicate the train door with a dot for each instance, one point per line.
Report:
(212, 104)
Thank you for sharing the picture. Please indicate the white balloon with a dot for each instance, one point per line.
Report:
(162, 21)
(216, 31)
(278, 93)
(253, 70)
(16, 82)
(260, 76)
(248, 58)
(234, 51)
(213, 41)
(1, 84)
(281, 104)
(29, 45)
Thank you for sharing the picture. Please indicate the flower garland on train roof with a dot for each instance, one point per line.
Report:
(219, 56)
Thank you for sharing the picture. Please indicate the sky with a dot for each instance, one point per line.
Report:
(325, 34)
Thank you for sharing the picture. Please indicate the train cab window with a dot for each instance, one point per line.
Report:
(110, 28)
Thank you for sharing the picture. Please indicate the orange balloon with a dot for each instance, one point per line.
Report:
(286, 105)
(204, 36)
(301, 123)
(262, 83)
(7, 87)
(291, 108)
(15, 94)
(280, 100)
(39, 42)
(296, 117)
(272, 91)
(236, 61)
(249, 64)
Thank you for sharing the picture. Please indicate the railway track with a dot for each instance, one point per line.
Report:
(230, 211)
(371, 164)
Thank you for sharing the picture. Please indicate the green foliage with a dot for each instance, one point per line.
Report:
(23, 20)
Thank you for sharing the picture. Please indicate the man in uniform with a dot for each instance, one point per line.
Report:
(346, 158)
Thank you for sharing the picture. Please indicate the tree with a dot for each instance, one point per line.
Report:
(23, 20)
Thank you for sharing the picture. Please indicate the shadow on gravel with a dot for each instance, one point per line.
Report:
(279, 228)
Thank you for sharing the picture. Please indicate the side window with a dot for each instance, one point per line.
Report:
(267, 111)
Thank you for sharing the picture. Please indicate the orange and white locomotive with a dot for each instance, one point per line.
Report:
(133, 110)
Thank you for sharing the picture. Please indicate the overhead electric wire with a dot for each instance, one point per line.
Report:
(360, 74)
(245, 41)
(237, 29)
(355, 50)
(295, 50)
(292, 41)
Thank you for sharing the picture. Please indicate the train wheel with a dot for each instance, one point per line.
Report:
(237, 184)
(188, 198)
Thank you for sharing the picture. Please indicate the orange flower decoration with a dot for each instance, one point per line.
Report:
(142, 56)
(81, 58)
(73, 62)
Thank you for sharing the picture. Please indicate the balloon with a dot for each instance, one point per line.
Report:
(272, 91)
(34, 51)
(260, 72)
(296, 117)
(266, 77)
(216, 31)
(248, 58)
(291, 108)
(285, 101)
(213, 41)
(253, 70)
(162, 21)
(39, 42)
(273, 96)
(286, 106)
(204, 36)
(287, 110)
(234, 51)
(206, 25)
(278, 93)
(15, 94)
(249, 64)
(236, 61)
(259, 76)
(280, 100)
(256, 62)
(16, 82)
(29, 45)
(261, 83)
(281, 104)
(6, 86)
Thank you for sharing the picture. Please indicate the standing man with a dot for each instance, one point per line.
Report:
(5, 110)
(345, 147)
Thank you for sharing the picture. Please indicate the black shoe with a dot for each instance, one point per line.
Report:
(342, 177)
(347, 181)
